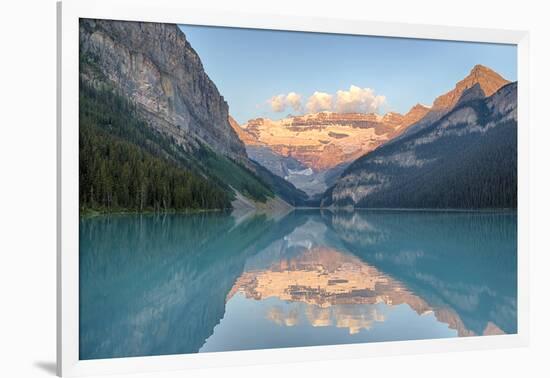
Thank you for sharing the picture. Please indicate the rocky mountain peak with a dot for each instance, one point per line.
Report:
(419, 107)
(415, 114)
(481, 70)
(489, 82)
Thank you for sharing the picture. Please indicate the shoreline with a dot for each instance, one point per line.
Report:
(94, 213)
(88, 213)
(420, 209)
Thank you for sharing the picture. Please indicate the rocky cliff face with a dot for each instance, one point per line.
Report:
(155, 66)
(324, 140)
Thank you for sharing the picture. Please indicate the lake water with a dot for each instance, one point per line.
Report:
(173, 284)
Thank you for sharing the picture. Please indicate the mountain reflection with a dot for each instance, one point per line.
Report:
(466, 261)
(327, 280)
(155, 285)
(176, 284)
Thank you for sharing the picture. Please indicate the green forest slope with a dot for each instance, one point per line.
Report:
(127, 166)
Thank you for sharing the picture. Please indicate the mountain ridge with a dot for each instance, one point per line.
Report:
(324, 140)
(466, 159)
(488, 80)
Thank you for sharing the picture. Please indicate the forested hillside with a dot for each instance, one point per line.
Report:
(120, 170)
(126, 165)
(466, 160)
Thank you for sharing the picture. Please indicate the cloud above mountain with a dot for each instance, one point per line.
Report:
(281, 102)
(358, 100)
(319, 102)
(353, 100)
(294, 100)
(277, 103)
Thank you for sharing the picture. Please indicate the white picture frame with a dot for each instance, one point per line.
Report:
(172, 11)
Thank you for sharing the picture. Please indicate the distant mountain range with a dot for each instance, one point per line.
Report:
(156, 134)
(324, 140)
(312, 151)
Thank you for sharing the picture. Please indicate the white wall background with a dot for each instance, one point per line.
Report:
(27, 187)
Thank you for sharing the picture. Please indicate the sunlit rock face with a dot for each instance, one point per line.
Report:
(324, 140)
(333, 284)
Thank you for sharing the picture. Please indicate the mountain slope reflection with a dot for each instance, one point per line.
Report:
(463, 261)
(192, 283)
(154, 285)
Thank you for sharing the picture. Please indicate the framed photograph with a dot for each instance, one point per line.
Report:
(250, 188)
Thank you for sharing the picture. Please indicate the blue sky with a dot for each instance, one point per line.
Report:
(250, 67)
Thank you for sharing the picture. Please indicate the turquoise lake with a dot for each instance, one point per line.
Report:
(211, 282)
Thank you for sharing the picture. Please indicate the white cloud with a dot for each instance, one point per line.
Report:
(318, 102)
(358, 100)
(354, 100)
(294, 100)
(277, 103)
(280, 102)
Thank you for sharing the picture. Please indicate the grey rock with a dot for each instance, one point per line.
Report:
(154, 65)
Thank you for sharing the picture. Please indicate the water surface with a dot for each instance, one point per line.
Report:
(172, 284)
